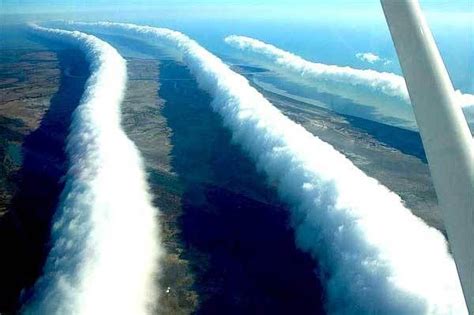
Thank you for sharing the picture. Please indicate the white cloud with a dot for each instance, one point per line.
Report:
(355, 84)
(104, 236)
(368, 57)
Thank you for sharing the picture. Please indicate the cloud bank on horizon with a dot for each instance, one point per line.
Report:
(104, 235)
(374, 255)
(342, 80)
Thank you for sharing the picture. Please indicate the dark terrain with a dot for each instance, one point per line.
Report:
(37, 110)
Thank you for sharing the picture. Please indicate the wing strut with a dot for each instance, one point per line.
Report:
(446, 137)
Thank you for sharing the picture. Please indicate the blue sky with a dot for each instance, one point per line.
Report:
(444, 13)
(301, 6)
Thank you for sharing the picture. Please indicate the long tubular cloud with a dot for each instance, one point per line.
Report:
(374, 255)
(104, 236)
(389, 84)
